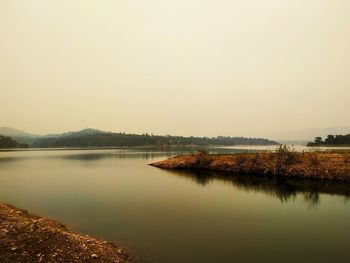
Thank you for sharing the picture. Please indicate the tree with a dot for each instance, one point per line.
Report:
(330, 139)
(8, 142)
(318, 140)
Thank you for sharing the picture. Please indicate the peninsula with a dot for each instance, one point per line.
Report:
(282, 163)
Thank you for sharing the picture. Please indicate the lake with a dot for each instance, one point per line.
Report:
(172, 216)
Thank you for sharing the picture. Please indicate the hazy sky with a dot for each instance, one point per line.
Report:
(191, 67)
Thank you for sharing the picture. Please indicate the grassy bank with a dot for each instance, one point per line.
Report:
(282, 163)
(29, 238)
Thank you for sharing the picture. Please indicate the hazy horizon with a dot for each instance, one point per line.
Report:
(202, 68)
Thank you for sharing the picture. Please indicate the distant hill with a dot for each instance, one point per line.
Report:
(96, 138)
(8, 131)
(83, 132)
(17, 135)
(86, 131)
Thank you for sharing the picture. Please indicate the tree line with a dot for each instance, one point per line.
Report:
(9, 143)
(331, 140)
(123, 140)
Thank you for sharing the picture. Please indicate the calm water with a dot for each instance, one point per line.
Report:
(166, 216)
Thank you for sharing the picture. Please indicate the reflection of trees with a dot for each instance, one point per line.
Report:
(313, 199)
(4, 161)
(123, 154)
(285, 189)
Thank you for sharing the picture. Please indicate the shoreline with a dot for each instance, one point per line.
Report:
(29, 238)
(127, 147)
(328, 145)
(333, 166)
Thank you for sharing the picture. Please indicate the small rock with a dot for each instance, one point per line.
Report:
(13, 248)
(94, 256)
(119, 250)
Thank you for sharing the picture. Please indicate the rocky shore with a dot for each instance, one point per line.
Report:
(311, 165)
(29, 238)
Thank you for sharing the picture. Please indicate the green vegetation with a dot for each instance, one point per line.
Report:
(331, 140)
(96, 138)
(9, 143)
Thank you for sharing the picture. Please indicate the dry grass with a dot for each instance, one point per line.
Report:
(283, 162)
(347, 157)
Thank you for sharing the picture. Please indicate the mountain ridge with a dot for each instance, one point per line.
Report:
(89, 137)
(9, 131)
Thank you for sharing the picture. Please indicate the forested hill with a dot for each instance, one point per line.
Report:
(108, 139)
(9, 143)
(331, 140)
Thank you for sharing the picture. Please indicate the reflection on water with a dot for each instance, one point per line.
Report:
(180, 216)
(284, 189)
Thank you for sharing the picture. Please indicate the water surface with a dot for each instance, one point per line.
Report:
(173, 216)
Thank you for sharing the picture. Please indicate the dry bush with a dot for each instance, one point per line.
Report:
(255, 161)
(240, 160)
(314, 160)
(286, 156)
(347, 157)
(282, 159)
(202, 158)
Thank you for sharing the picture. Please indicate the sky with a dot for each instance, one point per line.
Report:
(184, 67)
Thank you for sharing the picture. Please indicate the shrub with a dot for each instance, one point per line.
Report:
(202, 158)
(286, 155)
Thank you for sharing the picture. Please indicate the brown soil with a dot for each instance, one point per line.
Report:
(29, 238)
(311, 165)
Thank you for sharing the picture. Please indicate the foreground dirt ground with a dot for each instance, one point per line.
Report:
(29, 238)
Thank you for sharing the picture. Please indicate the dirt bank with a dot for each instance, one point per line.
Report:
(311, 165)
(29, 238)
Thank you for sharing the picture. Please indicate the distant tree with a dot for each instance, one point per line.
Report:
(330, 139)
(318, 140)
(8, 142)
